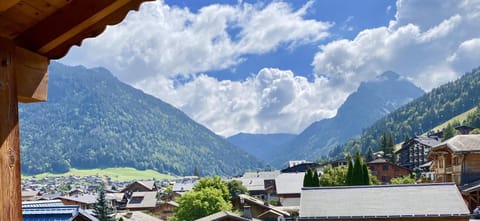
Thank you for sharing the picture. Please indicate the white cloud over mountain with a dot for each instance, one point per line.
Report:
(429, 42)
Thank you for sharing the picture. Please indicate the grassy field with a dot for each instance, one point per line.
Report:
(461, 117)
(118, 174)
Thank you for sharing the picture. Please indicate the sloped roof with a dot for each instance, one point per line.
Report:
(223, 215)
(50, 28)
(289, 183)
(461, 143)
(260, 203)
(85, 198)
(419, 200)
(142, 200)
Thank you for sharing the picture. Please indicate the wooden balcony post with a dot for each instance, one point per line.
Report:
(10, 180)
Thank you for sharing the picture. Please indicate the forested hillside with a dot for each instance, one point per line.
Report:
(92, 120)
(260, 145)
(422, 114)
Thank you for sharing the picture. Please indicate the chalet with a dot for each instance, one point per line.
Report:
(142, 201)
(259, 183)
(256, 208)
(385, 170)
(289, 186)
(414, 152)
(457, 160)
(433, 202)
(224, 216)
(165, 209)
(141, 186)
(29, 195)
(85, 201)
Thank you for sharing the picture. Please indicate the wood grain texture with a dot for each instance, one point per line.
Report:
(10, 183)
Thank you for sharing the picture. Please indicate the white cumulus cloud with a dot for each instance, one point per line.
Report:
(271, 101)
(430, 42)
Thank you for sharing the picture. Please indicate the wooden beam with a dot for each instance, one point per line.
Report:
(66, 23)
(6, 4)
(31, 71)
(10, 181)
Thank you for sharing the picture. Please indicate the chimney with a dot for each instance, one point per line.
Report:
(246, 212)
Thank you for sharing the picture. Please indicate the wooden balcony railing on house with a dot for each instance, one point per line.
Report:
(448, 170)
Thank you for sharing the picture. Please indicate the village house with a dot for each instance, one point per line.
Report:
(140, 186)
(260, 184)
(385, 170)
(30, 195)
(414, 152)
(165, 209)
(85, 201)
(289, 186)
(224, 216)
(256, 208)
(432, 202)
(457, 160)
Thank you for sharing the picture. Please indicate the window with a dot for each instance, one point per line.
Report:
(456, 161)
(385, 167)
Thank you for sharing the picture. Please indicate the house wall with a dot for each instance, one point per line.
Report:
(471, 168)
(164, 211)
(465, 218)
(391, 171)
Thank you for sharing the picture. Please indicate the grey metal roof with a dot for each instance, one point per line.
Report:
(462, 143)
(427, 140)
(253, 184)
(183, 187)
(289, 183)
(41, 203)
(419, 200)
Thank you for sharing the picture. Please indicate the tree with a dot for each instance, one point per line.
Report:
(200, 203)
(334, 176)
(101, 210)
(316, 180)
(357, 172)
(215, 183)
(307, 178)
(236, 187)
(403, 180)
(448, 132)
(349, 178)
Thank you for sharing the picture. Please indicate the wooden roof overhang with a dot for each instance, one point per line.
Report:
(31, 33)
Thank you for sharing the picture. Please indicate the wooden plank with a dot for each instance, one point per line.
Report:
(31, 71)
(65, 22)
(6, 4)
(10, 183)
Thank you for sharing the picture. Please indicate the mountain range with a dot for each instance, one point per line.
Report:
(92, 120)
(371, 101)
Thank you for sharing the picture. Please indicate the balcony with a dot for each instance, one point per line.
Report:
(448, 170)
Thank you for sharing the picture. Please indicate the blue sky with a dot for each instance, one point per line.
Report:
(278, 66)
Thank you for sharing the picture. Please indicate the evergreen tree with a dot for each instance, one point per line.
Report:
(308, 178)
(366, 177)
(349, 179)
(316, 179)
(101, 210)
(357, 171)
(448, 132)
